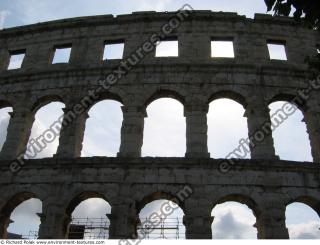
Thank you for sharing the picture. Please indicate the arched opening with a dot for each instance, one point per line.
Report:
(45, 133)
(302, 221)
(233, 220)
(4, 123)
(160, 218)
(103, 129)
(288, 126)
(226, 127)
(22, 207)
(89, 218)
(164, 129)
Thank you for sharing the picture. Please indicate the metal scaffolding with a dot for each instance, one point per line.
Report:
(98, 228)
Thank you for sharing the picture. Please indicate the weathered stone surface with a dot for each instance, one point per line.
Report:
(265, 183)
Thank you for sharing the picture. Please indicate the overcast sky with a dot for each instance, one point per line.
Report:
(164, 133)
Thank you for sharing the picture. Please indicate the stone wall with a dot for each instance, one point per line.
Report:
(265, 183)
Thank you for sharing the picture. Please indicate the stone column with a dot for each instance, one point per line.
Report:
(260, 134)
(54, 222)
(19, 130)
(72, 133)
(4, 59)
(196, 120)
(4, 224)
(198, 224)
(271, 222)
(312, 120)
(132, 131)
(123, 221)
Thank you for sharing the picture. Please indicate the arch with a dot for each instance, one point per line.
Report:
(164, 129)
(309, 201)
(239, 219)
(165, 93)
(291, 98)
(165, 212)
(158, 196)
(45, 100)
(303, 218)
(9, 207)
(91, 224)
(4, 104)
(287, 117)
(227, 126)
(228, 94)
(106, 95)
(74, 202)
(240, 198)
(45, 131)
(233, 200)
(102, 134)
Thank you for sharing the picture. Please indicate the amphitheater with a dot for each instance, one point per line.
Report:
(265, 183)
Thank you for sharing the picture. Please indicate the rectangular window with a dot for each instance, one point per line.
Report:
(168, 48)
(222, 48)
(62, 54)
(16, 59)
(113, 50)
(277, 50)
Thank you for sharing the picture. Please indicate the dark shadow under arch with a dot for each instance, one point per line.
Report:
(243, 199)
(158, 196)
(309, 201)
(293, 99)
(165, 93)
(45, 100)
(106, 96)
(5, 104)
(82, 197)
(8, 208)
(229, 95)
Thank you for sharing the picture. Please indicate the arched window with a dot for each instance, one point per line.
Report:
(226, 127)
(302, 221)
(288, 126)
(164, 129)
(45, 133)
(233, 220)
(103, 130)
(161, 219)
(89, 219)
(21, 208)
(4, 122)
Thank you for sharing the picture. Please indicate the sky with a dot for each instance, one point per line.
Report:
(226, 124)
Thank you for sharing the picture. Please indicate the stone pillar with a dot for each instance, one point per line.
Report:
(132, 131)
(72, 133)
(123, 221)
(312, 120)
(19, 130)
(198, 224)
(271, 222)
(4, 224)
(260, 134)
(54, 222)
(188, 51)
(196, 120)
(4, 59)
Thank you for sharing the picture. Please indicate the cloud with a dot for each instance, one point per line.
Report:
(3, 15)
(308, 230)
(233, 221)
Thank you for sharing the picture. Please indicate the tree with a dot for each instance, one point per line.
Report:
(308, 10)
